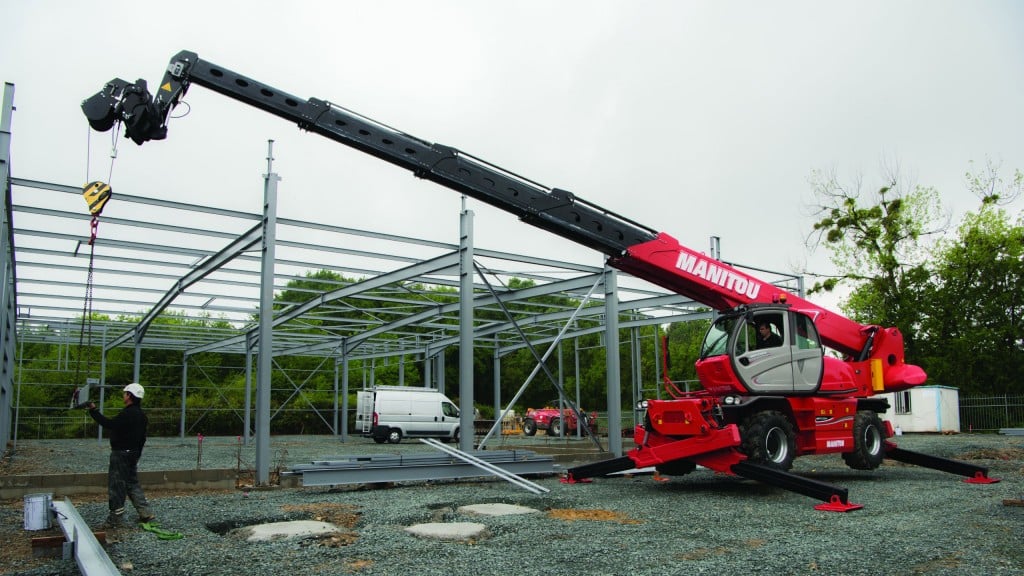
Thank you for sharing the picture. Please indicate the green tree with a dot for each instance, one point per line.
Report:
(973, 335)
(684, 340)
(878, 245)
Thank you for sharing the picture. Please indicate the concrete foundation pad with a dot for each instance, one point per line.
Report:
(496, 509)
(448, 530)
(288, 530)
(72, 484)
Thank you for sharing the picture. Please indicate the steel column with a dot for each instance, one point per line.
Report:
(614, 386)
(466, 274)
(266, 332)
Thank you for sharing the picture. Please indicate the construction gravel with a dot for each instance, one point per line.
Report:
(914, 520)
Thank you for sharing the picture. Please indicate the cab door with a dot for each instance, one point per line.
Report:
(790, 360)
(764, 367)
(808, 355)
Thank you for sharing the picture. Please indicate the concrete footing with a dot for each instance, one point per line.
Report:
(61, 485)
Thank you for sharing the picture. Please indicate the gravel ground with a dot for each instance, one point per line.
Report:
(914, 521)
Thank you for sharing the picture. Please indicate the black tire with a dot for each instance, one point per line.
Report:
(394, 436)
(868, 442)
(555, 427)
(529, 427)
(769, 440)
(676, 468)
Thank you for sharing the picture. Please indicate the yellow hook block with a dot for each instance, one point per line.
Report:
(96, 195)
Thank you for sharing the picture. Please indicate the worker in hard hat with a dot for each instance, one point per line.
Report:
(127, 437)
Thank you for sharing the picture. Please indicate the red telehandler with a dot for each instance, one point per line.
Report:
(764, 400)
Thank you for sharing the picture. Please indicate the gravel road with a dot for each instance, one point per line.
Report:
(914, 520)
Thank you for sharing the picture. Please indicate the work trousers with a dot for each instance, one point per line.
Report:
(123, 481)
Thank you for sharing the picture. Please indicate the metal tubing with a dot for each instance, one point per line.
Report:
(504, 475)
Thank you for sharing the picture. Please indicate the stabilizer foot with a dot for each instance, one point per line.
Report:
(836, 504)
(981, 478)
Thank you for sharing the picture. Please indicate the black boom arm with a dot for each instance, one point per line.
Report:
(558, 211)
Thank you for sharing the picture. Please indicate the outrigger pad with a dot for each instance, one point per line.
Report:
(981, 478)
(836, 504)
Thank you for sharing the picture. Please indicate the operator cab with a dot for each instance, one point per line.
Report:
(769, 349)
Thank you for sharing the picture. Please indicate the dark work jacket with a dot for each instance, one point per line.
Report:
(127, 429)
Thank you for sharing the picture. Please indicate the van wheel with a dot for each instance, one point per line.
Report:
(394, 436)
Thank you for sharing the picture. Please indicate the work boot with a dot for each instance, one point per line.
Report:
(115, 519)
(146, 515)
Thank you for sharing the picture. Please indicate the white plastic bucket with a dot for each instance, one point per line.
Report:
(37, 511)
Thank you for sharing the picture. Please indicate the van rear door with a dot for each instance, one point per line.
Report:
(364, 411)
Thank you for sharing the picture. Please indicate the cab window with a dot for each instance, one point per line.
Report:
(806, 333)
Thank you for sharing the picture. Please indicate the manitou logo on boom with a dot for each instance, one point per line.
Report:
(716, 274)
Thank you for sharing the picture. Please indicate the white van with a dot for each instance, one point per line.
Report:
(390, 413)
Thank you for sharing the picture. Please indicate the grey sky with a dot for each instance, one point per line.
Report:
(694, 118)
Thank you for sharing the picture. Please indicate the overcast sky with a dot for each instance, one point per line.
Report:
(694, 118)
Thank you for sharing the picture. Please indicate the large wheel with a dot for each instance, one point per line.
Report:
(769, 439)
(555, 427)
(868, 442)
(529, 427)
(394, 436)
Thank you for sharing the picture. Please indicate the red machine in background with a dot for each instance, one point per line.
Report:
(760, 405)
(558, 422)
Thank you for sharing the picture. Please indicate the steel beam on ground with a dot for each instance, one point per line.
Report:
(415, 467)
(89, 555)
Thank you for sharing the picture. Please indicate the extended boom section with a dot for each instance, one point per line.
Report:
(558, 211)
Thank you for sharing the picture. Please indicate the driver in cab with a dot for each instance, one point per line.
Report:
(765, 337)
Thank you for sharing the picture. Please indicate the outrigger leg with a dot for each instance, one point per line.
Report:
(585, 472)
(975, 474)
(835, 497)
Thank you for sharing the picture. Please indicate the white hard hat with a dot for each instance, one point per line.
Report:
(135, 390)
